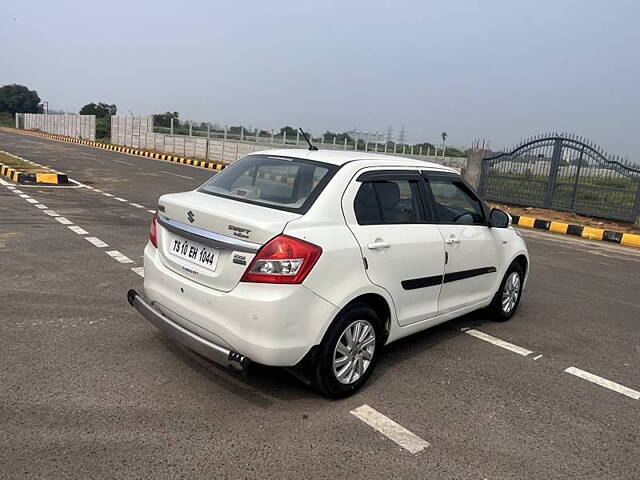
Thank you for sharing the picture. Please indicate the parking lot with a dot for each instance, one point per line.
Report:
(91, 390)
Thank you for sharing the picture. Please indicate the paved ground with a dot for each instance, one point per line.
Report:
(88, 389)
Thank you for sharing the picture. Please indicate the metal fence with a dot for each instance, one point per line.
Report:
(563, 172)
(230, 144)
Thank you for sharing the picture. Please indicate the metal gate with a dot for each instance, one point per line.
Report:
(563, 172)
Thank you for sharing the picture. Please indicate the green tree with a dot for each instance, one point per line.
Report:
(164, 119)
(19, 99)
(290, 131)
(100, 110)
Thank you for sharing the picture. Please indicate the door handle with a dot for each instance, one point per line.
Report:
(378, 245)
(452, 240)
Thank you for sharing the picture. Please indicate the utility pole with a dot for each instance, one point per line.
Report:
(402, 136)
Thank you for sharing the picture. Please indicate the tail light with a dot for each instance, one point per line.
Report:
(283, 259)
(153, 231)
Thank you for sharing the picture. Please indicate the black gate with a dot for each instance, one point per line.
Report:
(563, 172)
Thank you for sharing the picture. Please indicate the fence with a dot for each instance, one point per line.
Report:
(69, 124)
(563, 172)
(229, 145)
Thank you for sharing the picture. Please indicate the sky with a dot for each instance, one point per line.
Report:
(499, 70)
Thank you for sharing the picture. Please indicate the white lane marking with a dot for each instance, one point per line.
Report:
(116, 255)
(126, 163)
(500, 343)
(41, 206)
(151, 211)
(51, 213)
(31, 200)
(390, 429)
(537, 357)
(64, 221)
(107, 194)
(137, 205)
(603, 382)
(121, 199)
(178, 175)
(139, 271)
(78, 230)
(96, 241)
(96, 190)
(24, 195)
(15, 190)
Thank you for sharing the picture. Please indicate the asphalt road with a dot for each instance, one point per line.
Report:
(89, 389)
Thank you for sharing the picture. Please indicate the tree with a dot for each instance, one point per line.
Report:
(164, 119)
(19, 99)
(290, 131)
(100, 110)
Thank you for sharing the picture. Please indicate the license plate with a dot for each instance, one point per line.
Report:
(194, 252)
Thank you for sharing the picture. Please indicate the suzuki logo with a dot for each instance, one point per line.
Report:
(191, 216)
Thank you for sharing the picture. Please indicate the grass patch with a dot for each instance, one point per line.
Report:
(17, 164)
(7, 120)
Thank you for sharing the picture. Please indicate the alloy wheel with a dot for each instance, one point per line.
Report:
(354, 352)
(510, 292)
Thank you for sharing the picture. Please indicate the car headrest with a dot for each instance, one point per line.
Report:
(388, 194)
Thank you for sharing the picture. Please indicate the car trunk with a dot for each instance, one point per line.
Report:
(211, 240)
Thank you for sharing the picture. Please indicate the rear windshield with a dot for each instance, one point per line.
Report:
(290, 184)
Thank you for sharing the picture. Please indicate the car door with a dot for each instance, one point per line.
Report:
(471, 269)
(403, 252)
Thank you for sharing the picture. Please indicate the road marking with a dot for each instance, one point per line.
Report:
(64, 221)
(120, 199)
(107, 194)
(96, 190)
(32, 200)
(137, 205)
(500, 343)
(96, 241)
(537, 357)
(51, 213)
(151, 211)
(603, 382)
(126, 163)
(390, 429)
(139, 271)
(78, 230)
(15, 190)
(24, 195)
(41, 206)
(178, 175)
(116, 255)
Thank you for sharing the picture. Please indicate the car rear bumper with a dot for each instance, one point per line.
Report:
(204, 347)
(271, 324)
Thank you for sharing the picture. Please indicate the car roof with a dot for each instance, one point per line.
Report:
(340, 157)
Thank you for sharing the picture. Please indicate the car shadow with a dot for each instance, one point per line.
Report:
(264, 386)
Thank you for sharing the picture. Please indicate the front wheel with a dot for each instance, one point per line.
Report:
(349, 352)
(507, 298)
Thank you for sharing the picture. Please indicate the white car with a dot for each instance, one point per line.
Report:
(318, 259)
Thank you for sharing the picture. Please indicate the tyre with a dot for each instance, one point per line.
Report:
(349, 352)
(507, 298)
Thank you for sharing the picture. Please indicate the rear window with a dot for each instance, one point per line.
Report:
(290, 184)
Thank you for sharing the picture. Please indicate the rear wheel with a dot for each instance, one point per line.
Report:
(348, 354)
(507, 298)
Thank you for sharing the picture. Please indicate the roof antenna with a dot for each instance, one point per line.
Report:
(311, 146)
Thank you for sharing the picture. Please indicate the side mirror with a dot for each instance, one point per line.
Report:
(499, 219)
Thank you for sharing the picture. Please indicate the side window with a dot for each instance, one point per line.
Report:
(454, 204)
(388, 202)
